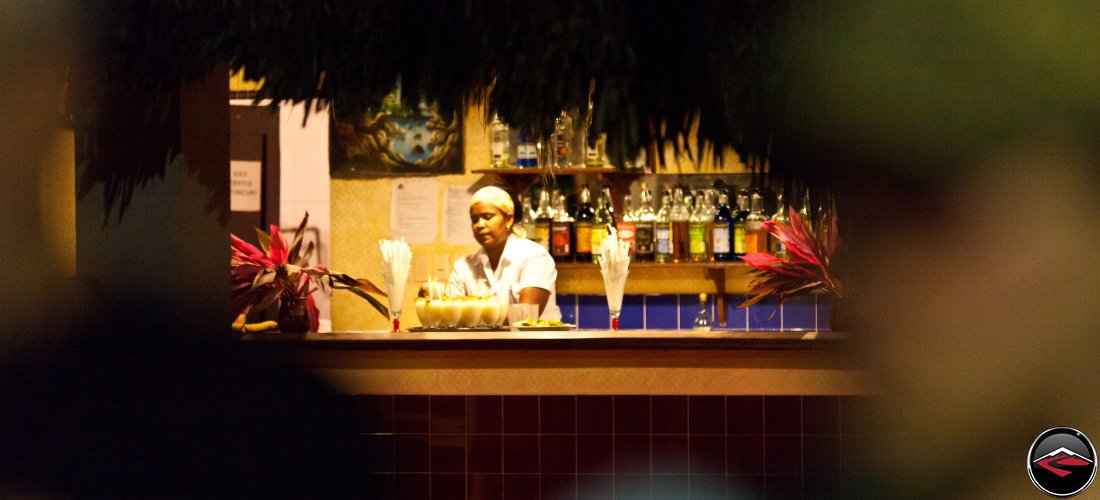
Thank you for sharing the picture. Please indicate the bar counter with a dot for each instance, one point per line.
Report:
(576, 362)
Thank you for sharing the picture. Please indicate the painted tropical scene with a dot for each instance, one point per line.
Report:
(395, 140)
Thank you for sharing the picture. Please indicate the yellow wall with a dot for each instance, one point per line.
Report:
(57, 200)
(361, 217)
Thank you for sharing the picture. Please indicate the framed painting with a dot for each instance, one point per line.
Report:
(394, 141)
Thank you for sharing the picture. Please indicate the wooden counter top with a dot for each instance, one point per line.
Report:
(574, 339)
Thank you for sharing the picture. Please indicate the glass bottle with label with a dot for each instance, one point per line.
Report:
(561, 232)
(526, 154)
(595, 152)
(804, 210)
(777, 247)
(562, 141)
(698, 225)
(711, 208)
(722, 231)
(662, 232)
(527, 217)
(543, 218)
(600, 222)
(582, 227)
(498, 144)
(680, 217)
(756, 239)
(611, 217)
(644, 219)
(739, 221)
(627, 225)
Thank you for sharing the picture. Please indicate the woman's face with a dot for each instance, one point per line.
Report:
(491, 226)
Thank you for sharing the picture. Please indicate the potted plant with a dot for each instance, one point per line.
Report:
(280, 272)
(810, 247)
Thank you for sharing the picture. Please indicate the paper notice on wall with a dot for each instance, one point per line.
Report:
(245, 186)
(414, 210)
(456, 216)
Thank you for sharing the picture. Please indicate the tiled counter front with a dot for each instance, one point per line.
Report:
(612, 446)
(600, 415)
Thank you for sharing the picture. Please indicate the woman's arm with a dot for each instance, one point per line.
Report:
(535, 295)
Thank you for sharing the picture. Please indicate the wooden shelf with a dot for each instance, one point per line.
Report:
(519, 179)
(646, 265)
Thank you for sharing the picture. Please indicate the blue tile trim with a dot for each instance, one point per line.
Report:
(736, 319)
(568, 306)
(689, 307)
(800, 313)
(592, 312)
(661, 312)
(633, 315)
(765, 315)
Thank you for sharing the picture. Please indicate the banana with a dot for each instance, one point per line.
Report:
(239, 325)
(260, 327)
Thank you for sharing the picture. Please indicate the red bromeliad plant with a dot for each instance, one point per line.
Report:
(810, 246)
(277, 270)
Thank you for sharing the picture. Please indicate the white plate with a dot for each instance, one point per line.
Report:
(561, 328)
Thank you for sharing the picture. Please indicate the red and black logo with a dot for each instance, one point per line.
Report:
(1062, 462)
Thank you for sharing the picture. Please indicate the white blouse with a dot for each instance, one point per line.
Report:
(523, 264)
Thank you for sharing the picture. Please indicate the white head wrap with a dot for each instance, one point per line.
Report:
(497, 197)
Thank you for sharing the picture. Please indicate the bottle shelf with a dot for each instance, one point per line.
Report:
(555, 171)
(519, 179)
(658, 265)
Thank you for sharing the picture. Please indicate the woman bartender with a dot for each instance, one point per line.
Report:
(507, 266)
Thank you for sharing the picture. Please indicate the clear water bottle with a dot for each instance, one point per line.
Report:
(702, 318)
(499, 144)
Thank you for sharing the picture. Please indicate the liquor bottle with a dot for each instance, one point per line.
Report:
(804, 210)
(643, 228)
(543, 218)
(702, 318)
(710, 209)
(561, 232)
(662, 232)
(606, 193)
(722, 230)
(627, 225)
(526, 154)
(698, 223)
(527, 217)
(600, 222)
(777, 247)
(582, 227)
(680, 217)
(739, 221)
(756, 239)
(562, 141)
(595, 152)
(498, 143)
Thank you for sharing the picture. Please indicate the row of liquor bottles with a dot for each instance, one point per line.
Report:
(704, 227)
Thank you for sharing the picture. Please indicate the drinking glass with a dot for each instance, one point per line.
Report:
(614, 285)
(520, 312)
(395, 292)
